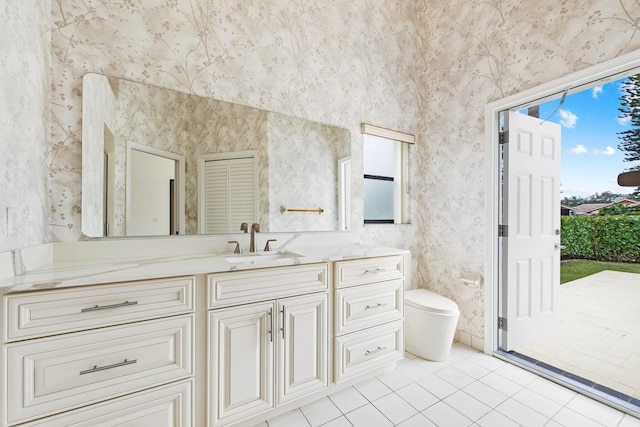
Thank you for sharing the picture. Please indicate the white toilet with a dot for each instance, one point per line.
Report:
(430, 324)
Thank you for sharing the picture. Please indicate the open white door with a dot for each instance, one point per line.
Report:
(531, 243)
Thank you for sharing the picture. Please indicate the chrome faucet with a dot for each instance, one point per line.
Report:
(255, 228)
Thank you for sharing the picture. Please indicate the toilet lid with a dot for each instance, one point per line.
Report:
(426, 300)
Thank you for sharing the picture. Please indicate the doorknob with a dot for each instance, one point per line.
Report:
(559, 246)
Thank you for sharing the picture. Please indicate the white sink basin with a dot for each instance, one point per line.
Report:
(255, 257)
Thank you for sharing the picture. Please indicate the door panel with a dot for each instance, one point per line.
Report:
(303, 346)
(531, 211)
(241, 357)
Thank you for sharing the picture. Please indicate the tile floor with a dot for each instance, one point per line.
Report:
(469, 389)
(599, 334)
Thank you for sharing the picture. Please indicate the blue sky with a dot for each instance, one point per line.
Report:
(591, 160)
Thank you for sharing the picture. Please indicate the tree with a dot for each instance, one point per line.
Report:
(573, 201)
(630, 110)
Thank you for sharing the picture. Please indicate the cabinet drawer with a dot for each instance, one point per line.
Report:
(267, 283)
(372, 348)
(371, 270)
(50, 312)
(169, 406)
(55, 374)
(359, 307)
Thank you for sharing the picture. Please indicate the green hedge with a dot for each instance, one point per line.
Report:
(614, 238)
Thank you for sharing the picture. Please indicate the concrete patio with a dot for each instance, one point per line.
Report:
(599, 335)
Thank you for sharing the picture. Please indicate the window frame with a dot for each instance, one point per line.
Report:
(402, 143)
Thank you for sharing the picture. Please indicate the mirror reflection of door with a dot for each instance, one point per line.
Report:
(108, 213)
(152, 192)
(227, 191)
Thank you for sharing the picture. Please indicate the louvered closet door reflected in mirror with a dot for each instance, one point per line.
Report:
(228, 194)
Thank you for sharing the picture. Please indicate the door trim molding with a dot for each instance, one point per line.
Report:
(581, 80)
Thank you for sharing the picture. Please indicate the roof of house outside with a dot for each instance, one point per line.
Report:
(589, 208)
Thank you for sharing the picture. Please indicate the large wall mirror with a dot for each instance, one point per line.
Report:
(161, 162)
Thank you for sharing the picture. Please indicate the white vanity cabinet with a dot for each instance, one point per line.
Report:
(233, 347)
(89, 345)
(266, 354)
(368, 315)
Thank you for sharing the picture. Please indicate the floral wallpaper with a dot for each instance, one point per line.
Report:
(24, 157)
(425, 67)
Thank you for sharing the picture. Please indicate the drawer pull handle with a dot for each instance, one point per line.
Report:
(377, 270)
(378, 305)
(106, 307)
(97, 368)
(283, 321)
(377, 350)
(271, 324)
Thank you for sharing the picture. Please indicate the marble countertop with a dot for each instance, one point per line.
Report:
(81, 273)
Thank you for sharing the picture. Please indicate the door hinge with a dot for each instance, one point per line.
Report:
(503, 137)
(503, 230)
(502, 323)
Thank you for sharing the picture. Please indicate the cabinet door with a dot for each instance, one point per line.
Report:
(302, 346)
(241, 362)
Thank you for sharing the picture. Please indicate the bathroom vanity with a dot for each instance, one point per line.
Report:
(197, 340)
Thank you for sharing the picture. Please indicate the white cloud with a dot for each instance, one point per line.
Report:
(568, 119)
(596, 91)
(624, 121)
(578, 149)
(609, 151)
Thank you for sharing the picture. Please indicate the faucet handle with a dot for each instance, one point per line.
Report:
(237, 249)
(267, 246)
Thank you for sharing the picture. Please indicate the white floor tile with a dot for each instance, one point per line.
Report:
(539, 403)
(455, 377)
(437, 386)
(394, 408)
(522, 414)
(629, 421)
(500, 383)
(373, 389)
(569, 418)
(595, 410)
(338, 422)
(321, 412)
(551, 390)
(472, 369)
(417, 420)
(413, 370)
(468, 406)
(368, 416)
(485, 394)
(417, 396)
(442, 414)
(290, 419)
(516, 374)
(488, 362)
(395, 379)
(348, 399)
(450, 396)
(496, 419)
(463, 351)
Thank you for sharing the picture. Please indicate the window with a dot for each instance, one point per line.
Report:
(386, 164)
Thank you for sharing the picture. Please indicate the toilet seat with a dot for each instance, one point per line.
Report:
(428, 301)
